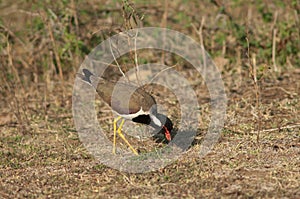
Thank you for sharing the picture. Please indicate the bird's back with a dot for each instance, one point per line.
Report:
(127, 99)
(124, 98)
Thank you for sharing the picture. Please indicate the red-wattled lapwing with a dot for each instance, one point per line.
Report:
(141, 108)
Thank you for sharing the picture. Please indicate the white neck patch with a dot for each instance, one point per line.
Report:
(155, 120)
(133, 115)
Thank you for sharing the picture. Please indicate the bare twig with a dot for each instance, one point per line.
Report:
(20, 86)
(45, 100)
(137, 70)
(111, 50)
(280, 128)
(291, 94)
(161, 72)
(265, 130)
(54, 45)
(17, 108)
(163, 24)
(200, 34)
(103, 62)
(12, 34)
(77, 32)
(274, 50)
(239, 66)
(274, 30)
(32, 14)
(202, 42)
(253, 73)
(10, 62)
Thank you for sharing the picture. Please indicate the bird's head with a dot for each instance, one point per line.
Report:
(162, 122)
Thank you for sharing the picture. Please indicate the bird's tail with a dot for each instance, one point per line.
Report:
(88, 77)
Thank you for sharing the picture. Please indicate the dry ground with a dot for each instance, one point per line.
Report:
(258, 153)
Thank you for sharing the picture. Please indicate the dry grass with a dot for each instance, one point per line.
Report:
(256, 46)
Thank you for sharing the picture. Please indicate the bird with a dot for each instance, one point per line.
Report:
(142, 107)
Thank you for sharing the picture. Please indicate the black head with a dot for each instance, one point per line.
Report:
(165, 121)
(165, 126)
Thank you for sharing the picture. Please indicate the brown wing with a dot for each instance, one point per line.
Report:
(123, 93)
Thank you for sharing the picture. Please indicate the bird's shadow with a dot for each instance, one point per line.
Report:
(194, 138)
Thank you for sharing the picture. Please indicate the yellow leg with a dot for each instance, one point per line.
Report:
(121, 135)
(115, 133)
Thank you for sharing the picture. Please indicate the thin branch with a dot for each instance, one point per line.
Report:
(163, 24)
(161, 72)
(54, 45)
(12, 34)
(265, 130)
(201, 41)
(11, 63)
(137, 70)
(274, 50)
(291, 94)
(102, 62)
(281, 128)
(111, 50)
(253, 72)
(200, 34)
(135, 54)
(74, 12)
(274, 30)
